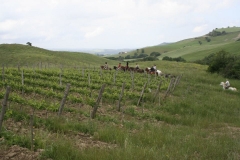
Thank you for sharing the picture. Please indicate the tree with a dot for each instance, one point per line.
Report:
(142, 50)
(219, 61)
(200, 42)
(142, 55)
(28, 43)
(128, 57)
(155, 54)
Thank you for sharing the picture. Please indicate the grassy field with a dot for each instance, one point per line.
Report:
(198, 120)
(191, 50)
(17, 54)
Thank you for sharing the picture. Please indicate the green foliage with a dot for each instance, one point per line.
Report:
(215, 33)
(225, 64)
(207, 39)
(155, 54)
(206, 60)
(178, 59)
(150, 58)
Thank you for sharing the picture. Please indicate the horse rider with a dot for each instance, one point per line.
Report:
(227, 84)
(137, 66)
(153, 68)
(119, 66)
(105, 65)
(127, 65)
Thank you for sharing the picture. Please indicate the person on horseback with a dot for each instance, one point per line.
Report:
(105, 65)
(119, 66)
(227, 84)
(137, 66)
(127, 65)
(153, 68)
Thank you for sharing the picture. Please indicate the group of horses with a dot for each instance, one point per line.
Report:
(125, 68)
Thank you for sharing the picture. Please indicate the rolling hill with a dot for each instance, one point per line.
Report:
(191, 50)
(14, 54)
(197, 119)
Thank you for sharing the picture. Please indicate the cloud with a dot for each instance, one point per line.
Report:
(87, 23)
(200, 28)
(94, 33)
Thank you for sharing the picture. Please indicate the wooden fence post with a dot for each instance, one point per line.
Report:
(175, 83)
(120, 97)
(22, 81)
(157, 92)
(94, 111)
(132, 76)
(89, 80)
(4, 106)
(32, 130)
(169, 87)
(114, 78)
(60, 78)
(140, 98)
(3, 72)
(64, 99)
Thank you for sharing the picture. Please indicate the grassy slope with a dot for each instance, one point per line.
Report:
(190, 49)
(14, 54)
(197, 121)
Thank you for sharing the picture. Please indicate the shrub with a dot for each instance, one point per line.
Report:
(155, 54)
(177, 59)
(150, 58)
(225, 64)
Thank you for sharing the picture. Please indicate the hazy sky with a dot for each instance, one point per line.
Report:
(111, 24)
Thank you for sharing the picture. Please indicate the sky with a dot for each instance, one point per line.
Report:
(111, 24)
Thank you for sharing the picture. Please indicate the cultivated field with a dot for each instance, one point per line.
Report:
(197, 119)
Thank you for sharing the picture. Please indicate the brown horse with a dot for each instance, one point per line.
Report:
(121, 68)
(105, 68)
(149, 71)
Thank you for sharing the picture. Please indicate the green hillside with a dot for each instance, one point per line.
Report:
(190, 49)
(14, 54)
(187, 115)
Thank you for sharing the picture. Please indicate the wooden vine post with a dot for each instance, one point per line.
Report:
(18, 67)
(169, 87)
(132, 76)
(4, 106)
(140, 98)
(32, 130)
(120, 97)
(157, 92)
(83, 72)
(22, 81)
(3, 73)
(94, 111)
(89, 79)
(64, 99)
(175, 83)
(60, 78)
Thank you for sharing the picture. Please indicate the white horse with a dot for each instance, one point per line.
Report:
(159, 73)
(230, 88)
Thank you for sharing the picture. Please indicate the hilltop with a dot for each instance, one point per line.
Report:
(14, 54)
(198, 47)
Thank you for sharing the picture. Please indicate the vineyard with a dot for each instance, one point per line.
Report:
(40, 98)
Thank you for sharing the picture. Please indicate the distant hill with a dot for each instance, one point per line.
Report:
(164, 43)
(198, 47)
(14, 54)
(98, 51)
